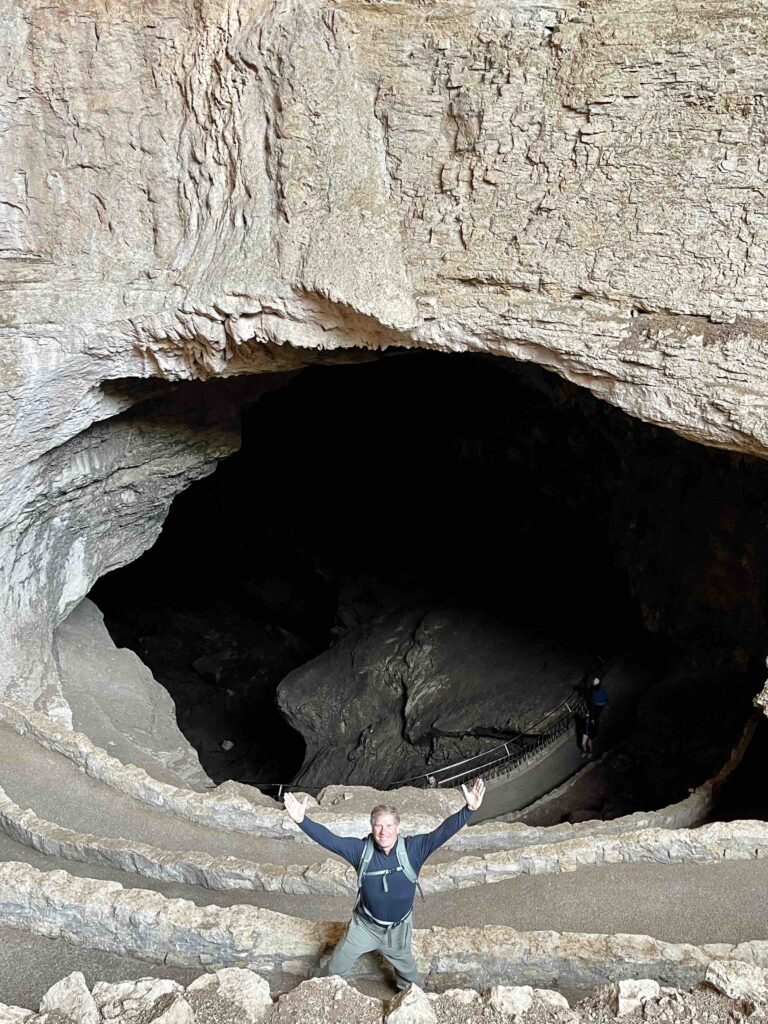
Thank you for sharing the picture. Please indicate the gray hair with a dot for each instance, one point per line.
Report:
(384, 809)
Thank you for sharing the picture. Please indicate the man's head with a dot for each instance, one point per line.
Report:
(595, 681)
(385, 826)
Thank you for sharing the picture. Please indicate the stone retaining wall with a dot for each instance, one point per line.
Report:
(103, 915)
(244, 809)
(708, 844)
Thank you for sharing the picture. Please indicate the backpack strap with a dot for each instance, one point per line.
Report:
(407, 867)
(365, 860)
(403, 863)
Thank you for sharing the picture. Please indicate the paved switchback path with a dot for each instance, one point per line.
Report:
(57, 791)
(696, 903)
(700, 904)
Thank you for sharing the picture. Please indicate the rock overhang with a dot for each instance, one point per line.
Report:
(575, 187)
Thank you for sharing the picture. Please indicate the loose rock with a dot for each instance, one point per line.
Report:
(71, 1000)
(411, 1007)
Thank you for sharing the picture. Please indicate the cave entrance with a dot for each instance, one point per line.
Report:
(489, 495)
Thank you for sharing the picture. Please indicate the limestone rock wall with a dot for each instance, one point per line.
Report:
(205, 189)
(89, 506)
(136, 723)
(187, 186)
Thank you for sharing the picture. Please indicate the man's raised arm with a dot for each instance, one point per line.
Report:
(427, 842)
(348, 848)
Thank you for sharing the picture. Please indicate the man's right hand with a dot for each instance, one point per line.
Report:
(296, 808)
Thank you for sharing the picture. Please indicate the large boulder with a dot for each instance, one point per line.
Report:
(118, 704)
(413, 688)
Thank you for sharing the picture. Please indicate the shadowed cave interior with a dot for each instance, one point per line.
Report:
(423, 516)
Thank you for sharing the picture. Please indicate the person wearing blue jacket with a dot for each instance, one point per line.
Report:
(388, 866)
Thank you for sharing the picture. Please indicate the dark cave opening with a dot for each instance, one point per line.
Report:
(472, 490)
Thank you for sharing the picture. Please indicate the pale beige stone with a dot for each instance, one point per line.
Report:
(243, 991)
(552, 999)
(410, 1007)
(511, 1000)
(13, 1014)
(129, 1001)
(739, 980)
(177, 1012)
(71, 999)
(632, 994)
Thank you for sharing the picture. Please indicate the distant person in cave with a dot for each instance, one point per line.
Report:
(388, 866)
(598, 699)
(587, 733)
(597, 702)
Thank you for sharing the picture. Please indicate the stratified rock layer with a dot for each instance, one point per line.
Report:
(580, 186)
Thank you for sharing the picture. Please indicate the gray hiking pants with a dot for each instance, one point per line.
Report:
(394, 944)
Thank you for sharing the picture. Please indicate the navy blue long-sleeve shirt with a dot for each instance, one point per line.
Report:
(395, 904)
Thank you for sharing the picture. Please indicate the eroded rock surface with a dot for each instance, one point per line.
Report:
(207, 190)
(577, 186)
(415, 687)
(116, 702)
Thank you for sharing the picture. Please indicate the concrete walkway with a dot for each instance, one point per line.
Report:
(30, 964)
(57, 791)
(528, 782)
(696, 903)
(692, 903)
(648, 898)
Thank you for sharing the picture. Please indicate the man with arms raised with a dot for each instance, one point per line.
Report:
(388, 866)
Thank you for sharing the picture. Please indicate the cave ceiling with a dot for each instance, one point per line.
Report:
(208, 189)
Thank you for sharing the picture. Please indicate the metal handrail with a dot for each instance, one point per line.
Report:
(504, 765)
(282, 787)
(532, 742)
(575, 698)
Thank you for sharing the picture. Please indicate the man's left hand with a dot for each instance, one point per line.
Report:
(474, 796)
